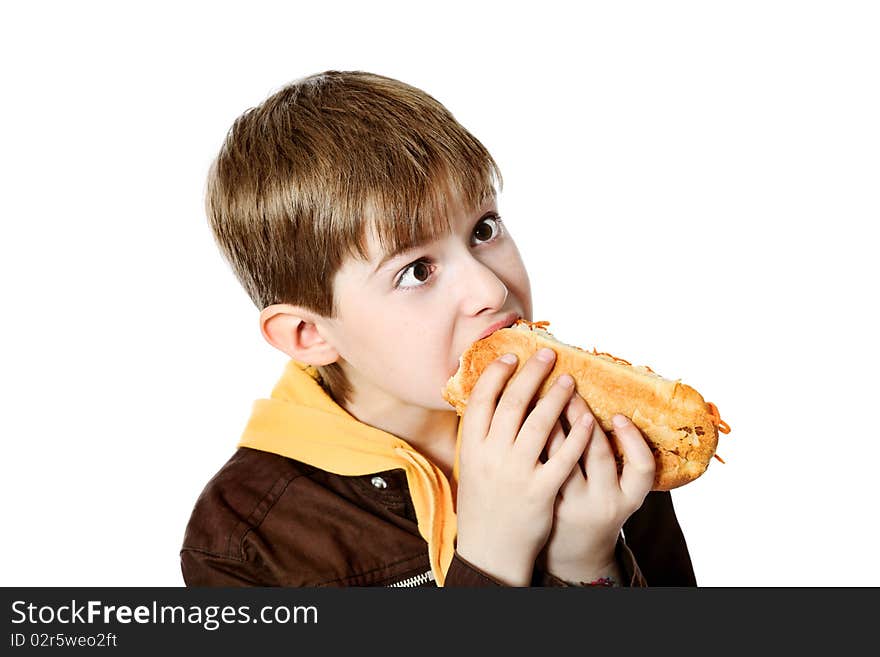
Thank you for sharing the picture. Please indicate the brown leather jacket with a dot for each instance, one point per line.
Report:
(267, 520)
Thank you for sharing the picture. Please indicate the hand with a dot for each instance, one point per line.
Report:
(505, 493)
(594, 501)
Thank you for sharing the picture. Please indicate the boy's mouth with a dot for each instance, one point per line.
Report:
(506, 322)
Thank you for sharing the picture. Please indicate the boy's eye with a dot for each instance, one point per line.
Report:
(421, 269)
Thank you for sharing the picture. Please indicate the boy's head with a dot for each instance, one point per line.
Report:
(315, 186)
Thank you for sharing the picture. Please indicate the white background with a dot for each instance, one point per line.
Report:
(693, 186)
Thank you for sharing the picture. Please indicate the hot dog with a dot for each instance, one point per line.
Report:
(680, 427)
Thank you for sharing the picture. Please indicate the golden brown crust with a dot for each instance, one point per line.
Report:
(674, 418)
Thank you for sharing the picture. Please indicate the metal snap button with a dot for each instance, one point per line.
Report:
(378, 482)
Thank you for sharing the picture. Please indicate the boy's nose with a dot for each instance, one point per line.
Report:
(482, 288)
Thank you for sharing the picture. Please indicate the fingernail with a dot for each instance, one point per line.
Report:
(546, 354)
(565, 381)
(619, 421)
(586, 419)
(510, 359)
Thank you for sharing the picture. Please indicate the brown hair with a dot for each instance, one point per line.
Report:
(301, 178)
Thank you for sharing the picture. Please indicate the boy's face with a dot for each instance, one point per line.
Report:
(403, 324)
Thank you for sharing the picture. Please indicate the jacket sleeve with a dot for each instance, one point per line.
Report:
(200, 568)
(463, 573)
(629, 570)
(657, 542)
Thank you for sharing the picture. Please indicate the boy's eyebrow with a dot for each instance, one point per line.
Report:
(393, 254)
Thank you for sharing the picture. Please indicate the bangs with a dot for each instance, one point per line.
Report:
(419, 206)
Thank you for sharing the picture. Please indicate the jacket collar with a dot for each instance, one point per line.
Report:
(301, 421)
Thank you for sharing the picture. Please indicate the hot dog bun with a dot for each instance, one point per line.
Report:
(680, 427)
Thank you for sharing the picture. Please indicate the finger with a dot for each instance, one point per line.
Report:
(577, 406)
(535, 431)
(557, 437)
(515, 399)
(560, 466)
(637, 477)
(577, 474)
(483, 399)
(600, 466)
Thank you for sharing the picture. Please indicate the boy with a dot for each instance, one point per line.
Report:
(361, 219)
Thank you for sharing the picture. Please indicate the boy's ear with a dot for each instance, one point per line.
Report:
(292, 330)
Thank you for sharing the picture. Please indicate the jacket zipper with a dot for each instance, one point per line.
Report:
(416, 580)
